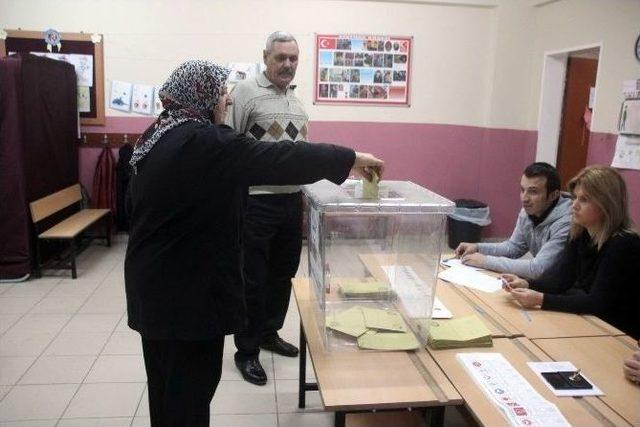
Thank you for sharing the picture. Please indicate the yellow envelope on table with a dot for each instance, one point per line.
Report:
(355, 289)
(370, 188)
(349, 322)
(375, 340)
(467, 331)
(386, 320)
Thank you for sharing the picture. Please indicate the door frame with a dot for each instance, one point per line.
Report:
(554, 71)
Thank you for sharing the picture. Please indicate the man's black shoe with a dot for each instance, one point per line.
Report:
(252, 371)
(280, 346)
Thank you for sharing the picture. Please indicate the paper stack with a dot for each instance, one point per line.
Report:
(467, 331)
(375, 329)
(366, 290)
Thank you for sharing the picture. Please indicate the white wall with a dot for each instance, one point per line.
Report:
(572, 23)
(144, 40)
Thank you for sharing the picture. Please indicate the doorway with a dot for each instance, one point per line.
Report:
(582, 69)
(566, 107)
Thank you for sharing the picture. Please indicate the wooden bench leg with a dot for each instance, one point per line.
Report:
(340, 419)
(73, 259)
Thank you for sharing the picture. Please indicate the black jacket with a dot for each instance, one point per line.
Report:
(183, 265)
(601, 282)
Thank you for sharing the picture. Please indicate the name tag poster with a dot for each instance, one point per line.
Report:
(362, 69)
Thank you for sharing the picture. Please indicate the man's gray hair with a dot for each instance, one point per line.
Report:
(278, 37)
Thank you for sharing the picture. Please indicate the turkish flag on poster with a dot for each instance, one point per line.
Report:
(327, 42)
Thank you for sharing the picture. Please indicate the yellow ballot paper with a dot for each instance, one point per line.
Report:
(349, 322)
(389, 341)
(467, 331)
(370, 188)
(365, 289)
(386, 320)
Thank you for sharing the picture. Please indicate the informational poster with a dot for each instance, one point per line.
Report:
(362, 69)
(120, 95)
(627, 153)
(83, 65)
(142, 99)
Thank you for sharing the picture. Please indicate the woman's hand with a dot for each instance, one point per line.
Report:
(631, 367)
(527, 298)
(511, 282)
(365, 163)
(220, 111)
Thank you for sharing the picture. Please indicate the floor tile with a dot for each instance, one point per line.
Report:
(32, 402)
(33, 423)
(74, 288)
(12, 368)
(17, 305)
(112, 369)
(288, 368)
(307, 419)
(95, 422)
(58, 370)
(78, 343)
(66, 304)
(40, 323)
(19, 344)
(37, 287)
(7, 321)
(241, 397)
(100, 304)
(93, 323)
(261, 420)
(4, 389)
(287, 398)
(124, 343)
(142, 422)
(105, 400)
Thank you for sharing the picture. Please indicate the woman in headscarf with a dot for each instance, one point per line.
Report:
(183, 276)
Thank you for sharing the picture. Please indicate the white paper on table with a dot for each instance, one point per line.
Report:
(508, 390)
(457, 262)
(439, 310)
(540, 367)
(84, 99)
(627, 153)
(142, 99)
(471, 278)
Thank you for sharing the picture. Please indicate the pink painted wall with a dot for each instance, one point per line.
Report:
(601, 149)
(454, 161)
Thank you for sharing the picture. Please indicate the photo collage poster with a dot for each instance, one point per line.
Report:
(362, 69)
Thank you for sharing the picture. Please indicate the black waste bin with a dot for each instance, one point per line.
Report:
(465, 224)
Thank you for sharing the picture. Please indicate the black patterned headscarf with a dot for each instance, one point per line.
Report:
(189, 94)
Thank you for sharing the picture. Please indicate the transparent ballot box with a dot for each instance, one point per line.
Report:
(373, 262)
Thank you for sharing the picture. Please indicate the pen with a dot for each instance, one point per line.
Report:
(506, 284)
(575, 375)
(525, 313)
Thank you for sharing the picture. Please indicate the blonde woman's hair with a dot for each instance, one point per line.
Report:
(606, 188)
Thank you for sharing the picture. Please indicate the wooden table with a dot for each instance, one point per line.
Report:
(536, 323)
(458, 302)
(600, 359)
(589, 411)
(355, 381)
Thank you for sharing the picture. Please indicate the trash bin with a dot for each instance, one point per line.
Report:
(464, 224)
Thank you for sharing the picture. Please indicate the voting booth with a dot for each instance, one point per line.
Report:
(373, 262)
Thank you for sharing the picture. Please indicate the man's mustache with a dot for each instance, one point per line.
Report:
(286, 72)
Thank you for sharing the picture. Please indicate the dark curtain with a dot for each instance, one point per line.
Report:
(104, 182)
(38, 149)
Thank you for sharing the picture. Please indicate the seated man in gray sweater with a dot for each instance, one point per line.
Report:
(542, 228)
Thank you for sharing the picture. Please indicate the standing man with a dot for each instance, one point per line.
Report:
(542, 228)
(266, 108)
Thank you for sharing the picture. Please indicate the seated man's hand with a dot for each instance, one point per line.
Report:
(473, 259)
(511, 282)
(527, 298)
(466, 249)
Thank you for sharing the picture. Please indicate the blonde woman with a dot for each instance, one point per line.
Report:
(598, 271)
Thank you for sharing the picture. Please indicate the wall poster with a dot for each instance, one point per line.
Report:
(362, 69)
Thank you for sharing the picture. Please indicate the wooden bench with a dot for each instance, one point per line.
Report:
(68, 229)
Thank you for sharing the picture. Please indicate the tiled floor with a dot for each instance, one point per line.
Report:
(68, 359)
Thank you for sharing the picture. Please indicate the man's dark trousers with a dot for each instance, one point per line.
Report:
(272, 241)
